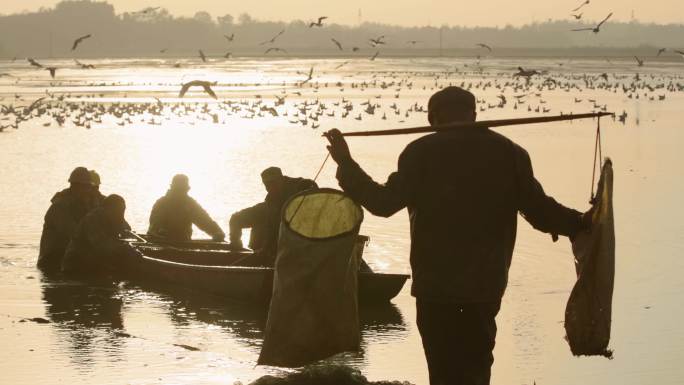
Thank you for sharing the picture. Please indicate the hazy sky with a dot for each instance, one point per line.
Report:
(404, 12)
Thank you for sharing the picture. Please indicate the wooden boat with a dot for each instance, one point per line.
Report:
(213, 268)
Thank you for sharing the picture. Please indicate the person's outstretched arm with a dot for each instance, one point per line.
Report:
(539, 209)
(203, 221)
(382, 200)
(246, 218)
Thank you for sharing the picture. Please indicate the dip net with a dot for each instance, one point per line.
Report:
(314, 308)
(589, 308)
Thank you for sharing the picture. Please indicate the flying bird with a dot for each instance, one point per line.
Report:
(580, 6)
(34, 63)
(484, 46)
(640, 62)
(318, 23)
(230, 37)
(163, 50)
(680, 52)
(273, 39)
(377, 41)
(525, 73)
(33, 106)
(52, 71)
(146, 11)
(228, 55)
(356, 49)
(413, 42)
(199, 83)
(337, 43)
(374, 56)
(202, 56)
(578, 16)
(342, 64)
(84, 66)
(661, 51)
(275, 49)
(79, 40)
(309, 76)
(596, 29)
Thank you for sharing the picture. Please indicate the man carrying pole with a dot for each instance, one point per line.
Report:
(463, 189)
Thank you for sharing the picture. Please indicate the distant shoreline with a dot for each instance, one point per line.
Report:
(648, 53)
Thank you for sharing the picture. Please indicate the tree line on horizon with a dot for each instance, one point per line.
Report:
(49, 32)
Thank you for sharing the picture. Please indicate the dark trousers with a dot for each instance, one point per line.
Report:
(458, 340)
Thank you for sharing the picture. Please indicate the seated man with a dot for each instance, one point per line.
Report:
(95, 248)
(68, 207)
(264, 218)
(174, 214)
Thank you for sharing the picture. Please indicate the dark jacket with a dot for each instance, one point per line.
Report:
(463, 191)
(61, 219)
(174, 214)
(264, 218)
(95, 247)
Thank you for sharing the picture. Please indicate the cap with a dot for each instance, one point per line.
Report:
(452, 98)
(114, 201)
(80, 175)
(271, 173)
(94, 178)
(180, 181)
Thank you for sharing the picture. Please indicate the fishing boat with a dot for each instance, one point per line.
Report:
(213, 268)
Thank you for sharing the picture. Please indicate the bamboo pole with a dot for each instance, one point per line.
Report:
(480, 124)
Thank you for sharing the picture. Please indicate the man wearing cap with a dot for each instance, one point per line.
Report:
(96, 248)
(264, 218)
(68, 207)
(463, 190)
(95, 180)
(174, 214)
(98, 197)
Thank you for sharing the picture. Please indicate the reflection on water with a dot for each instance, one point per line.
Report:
(88, 320)
(86, 317)
(247, 321)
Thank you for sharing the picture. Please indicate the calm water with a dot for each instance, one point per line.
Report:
(126, 334)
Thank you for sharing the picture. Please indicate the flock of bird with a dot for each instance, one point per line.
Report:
(306, 101)
(522, 89)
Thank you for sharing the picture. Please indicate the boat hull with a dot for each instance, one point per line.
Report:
(215, 272)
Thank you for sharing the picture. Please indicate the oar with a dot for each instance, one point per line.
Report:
(480, 124)
(136, 236)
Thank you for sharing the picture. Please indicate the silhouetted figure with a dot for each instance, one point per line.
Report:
(95, 248)
(264, 218)
(96, 181)
(68, 207)
(463, 190)
(174, 214)
(98, 196)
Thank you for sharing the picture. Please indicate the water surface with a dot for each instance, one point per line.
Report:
(124, 333)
